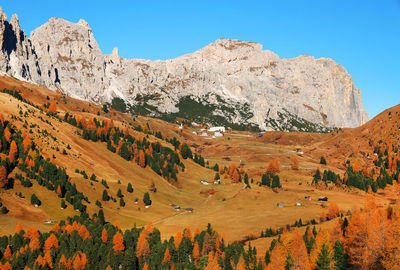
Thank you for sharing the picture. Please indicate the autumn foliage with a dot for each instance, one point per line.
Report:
(3, 177)
(274, 167)
(295, 163)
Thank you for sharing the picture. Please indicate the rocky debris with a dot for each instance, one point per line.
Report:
(225, 74)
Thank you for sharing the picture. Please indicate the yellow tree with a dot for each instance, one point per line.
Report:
(391, 256)
(278, 258)
(299, 252)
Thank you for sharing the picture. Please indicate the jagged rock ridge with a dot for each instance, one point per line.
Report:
(229, 79)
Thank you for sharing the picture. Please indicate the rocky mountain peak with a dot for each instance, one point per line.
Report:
(15, 21)
(233, 81)
(229, 49)
(3, 16)
(83, 23)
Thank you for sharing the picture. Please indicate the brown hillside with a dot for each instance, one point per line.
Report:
(229, 207)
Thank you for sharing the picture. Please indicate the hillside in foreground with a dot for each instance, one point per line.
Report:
(64, 157)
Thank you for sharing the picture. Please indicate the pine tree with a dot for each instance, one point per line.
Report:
(276, 182)
(146, 199)
(100, 217)
(129, 188)
(119, 193)
(35, 200)
(186, 152)
(121, 202)
(63, 205)
(105, 196)
(339, 256)
(324, 258)
(322, 161)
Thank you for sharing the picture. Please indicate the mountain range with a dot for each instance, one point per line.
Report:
(228, 82)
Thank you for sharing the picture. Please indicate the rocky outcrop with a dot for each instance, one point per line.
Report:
(239, 81)
(17, 58)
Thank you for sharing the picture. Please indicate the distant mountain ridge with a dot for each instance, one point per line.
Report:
(227, 82)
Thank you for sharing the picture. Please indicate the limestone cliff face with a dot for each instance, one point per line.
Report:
(239, 80)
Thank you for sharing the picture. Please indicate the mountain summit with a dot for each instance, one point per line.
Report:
(228, 81)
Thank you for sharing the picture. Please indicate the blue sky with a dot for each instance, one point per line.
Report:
(363, 36)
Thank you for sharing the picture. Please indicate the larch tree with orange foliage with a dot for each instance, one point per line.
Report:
(333, 211)
(51, 242)
(143, 248)
(34, 243)
(235, 176)
(274, 167)
(7, 134)
(7, 253)
(167, 257)
(26, 143)
(83, 232)
(366, 235)
(188, 234)
(19, 228)
(104, 236)
(52, 107)
(6, 266)
(118, 242)
(13, 151)
(295, 163)
(80, 261)
(177, 239)
(278, 258)
(196, 253)
(391, 256)
(142, 159)
(299, 252)
(3, 177)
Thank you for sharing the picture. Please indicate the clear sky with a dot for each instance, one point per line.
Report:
(363, 36)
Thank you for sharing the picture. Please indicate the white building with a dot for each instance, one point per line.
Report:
(218, 134)
(214, 129)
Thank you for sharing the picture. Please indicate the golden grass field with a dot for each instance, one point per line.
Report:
(233, 210)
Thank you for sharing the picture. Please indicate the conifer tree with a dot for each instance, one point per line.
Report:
(324, 260)
(339, 256)
(146, 199)
(129, 188)
(105, 196)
